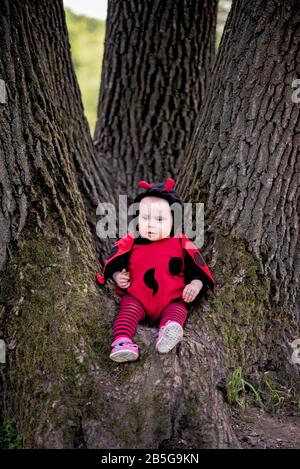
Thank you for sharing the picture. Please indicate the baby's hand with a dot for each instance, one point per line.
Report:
(122, 278)
(191, 290)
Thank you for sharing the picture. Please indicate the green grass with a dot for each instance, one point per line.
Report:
(271, 396)
(276, 396)
(237, 388)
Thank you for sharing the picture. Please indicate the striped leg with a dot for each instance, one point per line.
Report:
(131, 312)
(175, 311)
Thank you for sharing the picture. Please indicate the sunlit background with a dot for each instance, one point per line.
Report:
(93, 8)
(86, 26)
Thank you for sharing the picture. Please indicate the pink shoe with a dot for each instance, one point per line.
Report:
(169, 336)
(124, 350)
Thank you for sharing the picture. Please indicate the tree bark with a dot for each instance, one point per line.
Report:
(67, 115)
(49, 307)
(58, 380)
(243, 163)
(157, 64)
(246, 152)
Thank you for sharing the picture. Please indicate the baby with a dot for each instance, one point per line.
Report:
(156, 274)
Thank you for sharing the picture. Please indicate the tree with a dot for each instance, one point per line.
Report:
(58, 382)
(181, 400)
(157, 64)
(246, 151)
(64, 95)
(49, 307)
(243, 163)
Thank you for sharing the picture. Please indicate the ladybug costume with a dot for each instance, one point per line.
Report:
(159, 270)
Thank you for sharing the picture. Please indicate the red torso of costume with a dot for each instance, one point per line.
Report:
(157, 270)
(156, 274)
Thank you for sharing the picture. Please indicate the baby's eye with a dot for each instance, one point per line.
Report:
(160, 219)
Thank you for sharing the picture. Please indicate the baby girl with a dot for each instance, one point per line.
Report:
(156, 274)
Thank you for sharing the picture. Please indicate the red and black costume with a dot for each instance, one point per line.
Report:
(159, 270)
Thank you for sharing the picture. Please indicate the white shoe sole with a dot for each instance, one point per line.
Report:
(124, 356)
(172, 334)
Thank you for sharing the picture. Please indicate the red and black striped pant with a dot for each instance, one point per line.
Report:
(132, 311)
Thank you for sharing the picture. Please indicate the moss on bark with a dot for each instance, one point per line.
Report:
(51, 328)
(253, 331)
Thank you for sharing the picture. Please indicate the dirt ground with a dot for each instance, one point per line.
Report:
(255, 429)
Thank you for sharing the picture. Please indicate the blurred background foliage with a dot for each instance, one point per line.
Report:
(86, 36)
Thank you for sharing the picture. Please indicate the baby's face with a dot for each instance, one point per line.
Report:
(155, 218)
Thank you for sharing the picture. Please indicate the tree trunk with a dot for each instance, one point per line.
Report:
(58, 381)
(243, 163)
(67, 114)
(49, 308)
(157, 64)
(246, 147)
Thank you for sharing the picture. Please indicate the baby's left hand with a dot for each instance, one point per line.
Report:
(191, 290)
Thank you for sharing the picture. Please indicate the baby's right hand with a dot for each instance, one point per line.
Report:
(122, 279)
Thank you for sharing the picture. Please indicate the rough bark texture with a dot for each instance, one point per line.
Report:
(156, 67)
(169, 401)
(56, 107)
(243, 163)
(58, 381)
(47, 294)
